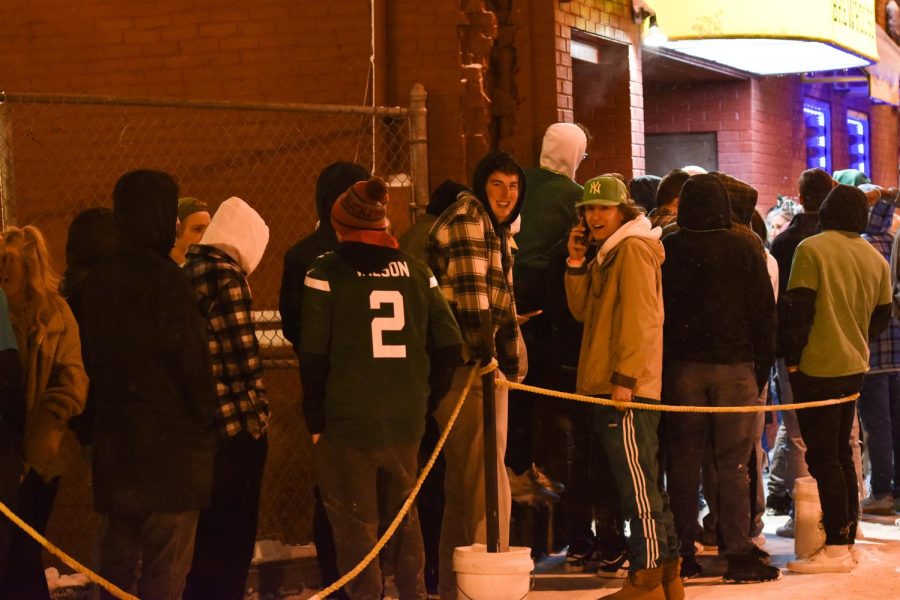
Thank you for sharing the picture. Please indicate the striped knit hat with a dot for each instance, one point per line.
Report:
(362, 206)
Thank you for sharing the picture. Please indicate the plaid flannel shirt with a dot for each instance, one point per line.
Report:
(465, 256)
(225, 300)
(884, 351)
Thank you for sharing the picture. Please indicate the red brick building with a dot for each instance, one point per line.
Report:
(497, 73)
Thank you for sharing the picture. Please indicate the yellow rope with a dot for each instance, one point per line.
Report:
(412, 495)
(671, 408)
(71, 562)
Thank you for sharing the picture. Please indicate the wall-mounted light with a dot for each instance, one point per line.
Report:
(655, 36)
(641, 11)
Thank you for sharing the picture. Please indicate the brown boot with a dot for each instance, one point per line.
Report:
(671, 580)
(643, 584)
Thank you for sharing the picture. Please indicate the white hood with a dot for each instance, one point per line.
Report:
(563, 148)
(637, 227)
(238, 230)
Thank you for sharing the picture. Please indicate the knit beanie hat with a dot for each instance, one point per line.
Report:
(844, 209)
(362, 206)
(189, 206)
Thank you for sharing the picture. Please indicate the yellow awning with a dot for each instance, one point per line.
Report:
(772, 36)
(884, 76)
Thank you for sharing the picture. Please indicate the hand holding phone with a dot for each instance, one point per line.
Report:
(578, 240)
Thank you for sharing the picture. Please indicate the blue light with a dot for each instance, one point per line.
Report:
(818, 134)
(858, 130)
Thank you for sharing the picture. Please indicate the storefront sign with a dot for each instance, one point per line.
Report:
(884, 76)
(772, 36)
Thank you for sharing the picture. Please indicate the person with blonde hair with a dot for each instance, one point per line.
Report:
(55, 386)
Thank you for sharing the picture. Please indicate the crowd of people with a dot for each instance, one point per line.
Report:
(667, 290)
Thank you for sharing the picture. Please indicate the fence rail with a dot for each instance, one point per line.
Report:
(61, 154)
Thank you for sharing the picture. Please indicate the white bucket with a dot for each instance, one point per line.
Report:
(809, 534)
(482, 575)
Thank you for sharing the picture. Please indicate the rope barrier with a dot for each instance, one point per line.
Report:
(68, 560)
(671, 408)
(476, 370)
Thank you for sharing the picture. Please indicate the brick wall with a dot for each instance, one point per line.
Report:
(618, 127)
(270, 50)
(760, 129)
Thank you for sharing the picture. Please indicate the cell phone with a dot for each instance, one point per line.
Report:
(583, 238)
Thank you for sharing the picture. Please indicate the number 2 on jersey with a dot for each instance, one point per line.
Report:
(378, 299)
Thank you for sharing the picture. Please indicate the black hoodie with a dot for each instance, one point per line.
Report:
(333, 181)
(719, 303)
(146, 353)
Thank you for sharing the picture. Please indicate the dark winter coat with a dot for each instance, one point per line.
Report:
(785, 243)
(147, 356)
(333, 181)
(719, 303)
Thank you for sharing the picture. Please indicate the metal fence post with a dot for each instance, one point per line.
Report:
(7, 178)
(418, 147)
(491, 485)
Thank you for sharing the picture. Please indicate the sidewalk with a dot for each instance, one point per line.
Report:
(876, 578)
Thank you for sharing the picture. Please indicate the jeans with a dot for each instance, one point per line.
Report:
(826, 431)
(159, 546)
(358, 487)
(879, 408)
(788, 457)
(731, 437)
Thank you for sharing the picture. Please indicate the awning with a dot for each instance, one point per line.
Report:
(884, 76)
(769, 37)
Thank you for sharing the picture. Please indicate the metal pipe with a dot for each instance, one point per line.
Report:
(394, 111)
(418, 146)
(7, 174)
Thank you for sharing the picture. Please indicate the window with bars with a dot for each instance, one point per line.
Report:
(858, 141)
(817, 117)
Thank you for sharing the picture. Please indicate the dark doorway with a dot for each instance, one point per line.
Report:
(667, 151)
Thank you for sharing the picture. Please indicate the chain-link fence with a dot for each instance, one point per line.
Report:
(62, 154)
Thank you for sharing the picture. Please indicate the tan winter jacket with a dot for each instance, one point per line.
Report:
(618, 297)
(55, 391)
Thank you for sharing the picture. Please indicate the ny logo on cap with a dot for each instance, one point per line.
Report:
(595, 187)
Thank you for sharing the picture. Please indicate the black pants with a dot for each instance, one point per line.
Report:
(226, 531)
(826, 432)
(24, 577)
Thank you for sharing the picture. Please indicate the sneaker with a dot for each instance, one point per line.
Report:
(759, 554)
(525, 489)
(540, 478)
(828, 559)
(690, 568)
(778, 506)
(615, 567)
(880, 505)
(786, 530)
(582, 556)
(744, 568)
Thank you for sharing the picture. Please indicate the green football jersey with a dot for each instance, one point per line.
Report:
(376, 330)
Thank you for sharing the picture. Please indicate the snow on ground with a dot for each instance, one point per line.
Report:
(876, 577)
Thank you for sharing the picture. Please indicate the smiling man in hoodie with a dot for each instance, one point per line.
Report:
(469, 252)
(618, 297)
(218, 268)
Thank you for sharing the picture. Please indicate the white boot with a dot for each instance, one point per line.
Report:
(829, 559)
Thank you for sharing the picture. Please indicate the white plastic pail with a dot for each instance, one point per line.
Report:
(482, 575)
(809, 534)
